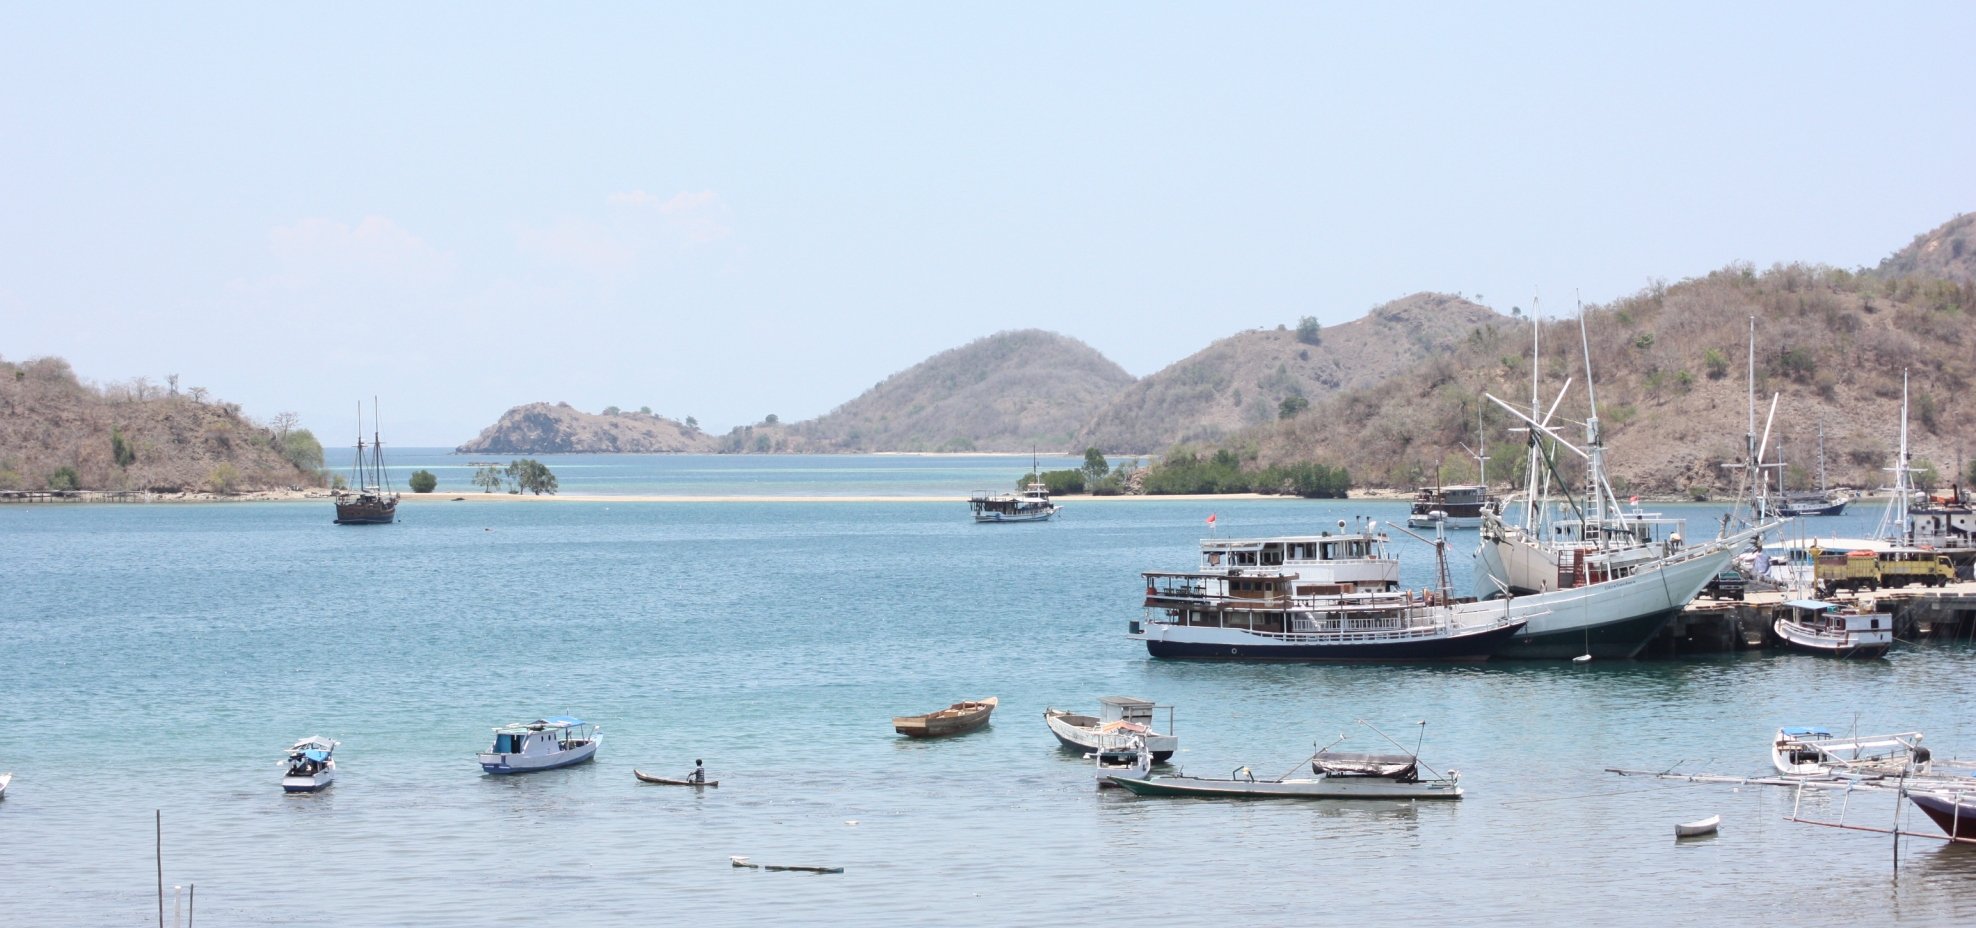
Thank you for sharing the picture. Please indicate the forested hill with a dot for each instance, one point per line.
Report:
(1012, 391)
(559, 428)
(1669, 366)
(1261, 375)
(57, 432)
(1947, 252)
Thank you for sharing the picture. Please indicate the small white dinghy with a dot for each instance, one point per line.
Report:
(1706, 826)
(1122, 752)
(309, 767)
(5, 778)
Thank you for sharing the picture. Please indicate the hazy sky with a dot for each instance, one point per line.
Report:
(728, 210)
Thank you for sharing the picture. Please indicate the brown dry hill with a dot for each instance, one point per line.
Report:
(1243, 380)
(1011, 391)
(52, 425)
(1669, 364)
(1947, 252)
(559, 428)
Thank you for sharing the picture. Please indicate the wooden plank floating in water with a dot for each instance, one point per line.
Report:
(741, 861)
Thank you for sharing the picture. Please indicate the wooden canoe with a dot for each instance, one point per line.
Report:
(644, 777)
(1706, 826)
(959, 718)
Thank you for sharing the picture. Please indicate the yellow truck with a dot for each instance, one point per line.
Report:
(1858, 570)
(1902, 566)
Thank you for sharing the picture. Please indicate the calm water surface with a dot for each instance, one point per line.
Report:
(160, 657)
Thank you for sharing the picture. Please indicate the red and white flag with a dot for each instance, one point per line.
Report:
(1210, 518)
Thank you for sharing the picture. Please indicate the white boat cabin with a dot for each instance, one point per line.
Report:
(1321, 564)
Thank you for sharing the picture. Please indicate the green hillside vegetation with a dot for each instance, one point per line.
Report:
(1669, 366)
(1260, 376)
(57, 432)
(1012, 391)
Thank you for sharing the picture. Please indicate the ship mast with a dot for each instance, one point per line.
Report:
(1894, 520)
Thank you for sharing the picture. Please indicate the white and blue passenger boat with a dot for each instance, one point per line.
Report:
(544, 744)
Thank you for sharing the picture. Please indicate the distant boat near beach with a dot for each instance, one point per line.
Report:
(544, 744)
(368, 500)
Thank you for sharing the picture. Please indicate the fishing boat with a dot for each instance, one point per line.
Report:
(1082, 733)
(1696, 829)
(309, 767)
(1816, 627)
(644, 777)
(1953, 808)
(1809, 751)
(1451, 507)
(1121, 752)
(367, 501)
(957, 719)
(1819, 502)
(1638, 569)
(544, 744)
(1335, 775)
(1323, 597)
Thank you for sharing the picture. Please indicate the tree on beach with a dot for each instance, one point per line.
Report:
(423, 481)
(529, 475)
(487, 478)
(1095, 465)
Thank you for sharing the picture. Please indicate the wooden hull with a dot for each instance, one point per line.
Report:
(366, 510)
(644, 777)
(1955, 813)
(957, 719)
(1314, 788)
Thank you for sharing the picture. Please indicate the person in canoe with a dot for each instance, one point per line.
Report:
(699, 774)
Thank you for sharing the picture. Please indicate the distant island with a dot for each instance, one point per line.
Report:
(558, 428)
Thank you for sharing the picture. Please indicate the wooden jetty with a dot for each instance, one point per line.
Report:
(1945, 613)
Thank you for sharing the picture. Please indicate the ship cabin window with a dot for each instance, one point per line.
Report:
(504, 744)
(1272, 555)
(1243, 558)
(1330, 550)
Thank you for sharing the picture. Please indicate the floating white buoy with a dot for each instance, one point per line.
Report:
(1582, 658)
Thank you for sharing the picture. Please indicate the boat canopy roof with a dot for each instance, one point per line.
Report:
(556, 722)
(1812, 604)
(1805, 730)
(316, 755)
(1125, 701)
(316, 742)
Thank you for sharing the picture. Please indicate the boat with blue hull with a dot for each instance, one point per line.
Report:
(544, 744)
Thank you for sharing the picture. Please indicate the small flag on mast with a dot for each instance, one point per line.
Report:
(1210, 518)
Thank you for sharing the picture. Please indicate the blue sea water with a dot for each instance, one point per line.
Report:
(160, 657)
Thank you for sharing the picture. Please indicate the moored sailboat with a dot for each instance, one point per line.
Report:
(367, 501)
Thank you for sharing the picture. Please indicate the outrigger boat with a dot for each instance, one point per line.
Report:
(309, 767)
(1817, 627)
(1084, 733)
(544, 744)
(1336, 775)
(957, 719)
(1807, 751)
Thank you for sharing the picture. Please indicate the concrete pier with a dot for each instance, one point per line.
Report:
(1920, 614)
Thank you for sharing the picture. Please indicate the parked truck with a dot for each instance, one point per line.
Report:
(1902, 566)
(1856, 570)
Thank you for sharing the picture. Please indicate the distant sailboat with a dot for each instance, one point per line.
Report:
(367, 501)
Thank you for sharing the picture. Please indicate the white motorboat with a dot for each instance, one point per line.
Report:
(1121, 752)
(544, 744)
(5, 778)
(1809, 751)
(309, 767)
(1081, 733)
(1834, 630)
(1033, 504)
